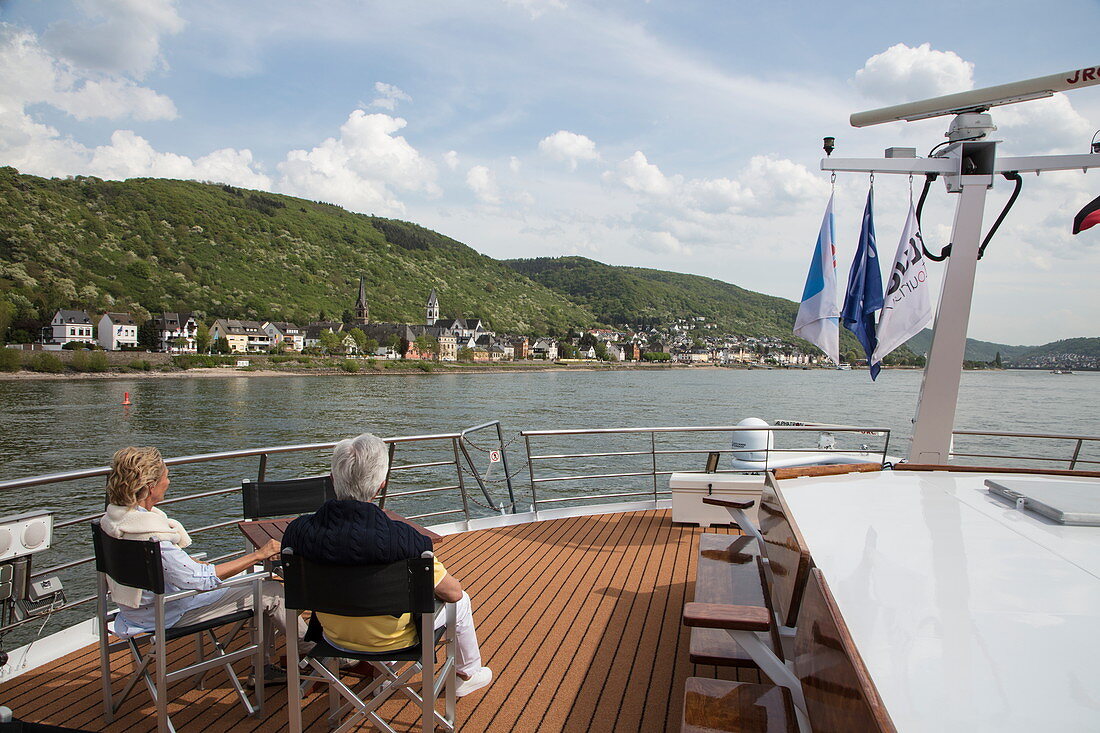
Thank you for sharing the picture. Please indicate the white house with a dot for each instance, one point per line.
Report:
(117, 330)
(286, 335)
(545, 348)
(241, 336)
(171, 328)
(69, 326)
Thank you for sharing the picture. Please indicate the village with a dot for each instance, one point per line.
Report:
(689, 340)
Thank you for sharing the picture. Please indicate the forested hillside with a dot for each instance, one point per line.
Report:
(154, 244)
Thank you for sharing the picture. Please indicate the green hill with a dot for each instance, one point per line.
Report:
(181, 245)
(1076, 353)
(975, 350)
(633, 295)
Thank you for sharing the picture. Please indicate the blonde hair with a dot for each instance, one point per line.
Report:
(133, 471)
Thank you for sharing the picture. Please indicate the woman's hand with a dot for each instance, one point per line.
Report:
(270, 549)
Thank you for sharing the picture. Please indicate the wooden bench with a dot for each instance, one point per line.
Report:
(827, 688)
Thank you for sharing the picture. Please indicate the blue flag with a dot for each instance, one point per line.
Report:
(864, 294)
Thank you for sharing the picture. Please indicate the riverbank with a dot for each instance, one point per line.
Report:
(398, 368)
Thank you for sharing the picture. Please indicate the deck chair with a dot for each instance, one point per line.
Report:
(826, 689)
(371, 590)
(138, 565)
(286, 497)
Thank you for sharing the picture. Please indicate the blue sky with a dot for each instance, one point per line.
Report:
(678, 135)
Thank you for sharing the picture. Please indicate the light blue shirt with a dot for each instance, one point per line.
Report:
(181, 572)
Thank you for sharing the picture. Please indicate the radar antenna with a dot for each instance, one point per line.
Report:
(968, 163)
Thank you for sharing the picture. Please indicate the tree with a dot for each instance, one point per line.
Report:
(360, 339)
(601, 351)
(220, 346)
(202, 339)
(997, 361)
(147, 335)
(588, 340)
(427, 344)
(465, 354)
(329, 342)
(347, 317)
(567, 350)
(7, 314)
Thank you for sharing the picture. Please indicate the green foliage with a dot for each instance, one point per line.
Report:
(202, 338)
(190, 361)
(425, 366)
(656, 356)
(89, 361)
(466, 354)
(330, 342)
(75, 346)
(350, 365)
(141, 365)
(47, 363)
(11, 360)
(182, 245)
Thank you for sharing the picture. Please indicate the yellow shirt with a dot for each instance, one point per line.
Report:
(374, 633)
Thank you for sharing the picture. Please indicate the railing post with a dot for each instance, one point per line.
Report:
(263, 467)
(531, 471)
(507, 473)
(461, 483)
(1076, 454)
(653, 461)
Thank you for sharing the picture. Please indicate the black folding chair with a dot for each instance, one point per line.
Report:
(138, 564)
(371, 590)
(286, 497)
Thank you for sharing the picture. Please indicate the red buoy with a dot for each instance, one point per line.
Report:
(125, 398)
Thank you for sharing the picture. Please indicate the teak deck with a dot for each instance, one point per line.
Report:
(578, 618)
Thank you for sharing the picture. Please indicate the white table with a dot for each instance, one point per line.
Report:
(969, 614)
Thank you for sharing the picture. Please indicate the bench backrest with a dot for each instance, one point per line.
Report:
(839, 693)
(788, 559)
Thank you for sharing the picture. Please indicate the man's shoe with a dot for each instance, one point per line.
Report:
(272, 676)
(482, 677)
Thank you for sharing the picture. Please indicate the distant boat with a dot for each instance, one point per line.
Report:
(844, 367)
(1061, 371)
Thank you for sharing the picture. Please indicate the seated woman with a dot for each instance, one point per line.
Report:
(137, 482)
(352, 530)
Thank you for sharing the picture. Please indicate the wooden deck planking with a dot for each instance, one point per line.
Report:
(578, 618)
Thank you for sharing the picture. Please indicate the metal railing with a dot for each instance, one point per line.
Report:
(458, 460)
(654, 469)
(1073, 461)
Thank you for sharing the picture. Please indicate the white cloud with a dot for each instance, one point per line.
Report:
(451, 159)
(130, 155)
(638, 174)
(1043, 126)
(662, 242)
(514, 164)
(359, 168)
(483, 183)
(568, 147)
(116, 36)
(115, 98)
(537, 7)
(901, 73)
(390, 96)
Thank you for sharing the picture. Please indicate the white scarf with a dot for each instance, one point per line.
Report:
(132, 523)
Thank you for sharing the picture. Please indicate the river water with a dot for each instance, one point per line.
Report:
(50, 426)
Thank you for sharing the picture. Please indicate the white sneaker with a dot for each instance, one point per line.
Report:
(482, 677)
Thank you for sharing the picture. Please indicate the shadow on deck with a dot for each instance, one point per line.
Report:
(578, 618)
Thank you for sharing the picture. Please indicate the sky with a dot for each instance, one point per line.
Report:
(674, 134)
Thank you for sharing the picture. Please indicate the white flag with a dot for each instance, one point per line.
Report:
(907, 306)
(818, 319)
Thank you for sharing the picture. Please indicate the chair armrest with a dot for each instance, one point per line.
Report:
(198, 556)
(720, 616)
(236, 580)
(715, 501)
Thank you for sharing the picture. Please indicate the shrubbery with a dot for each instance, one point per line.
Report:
(11, 360)
(141, 365)
(350, 365)
(47, 363)
(89, 361)
(190, 361)
(656, 356)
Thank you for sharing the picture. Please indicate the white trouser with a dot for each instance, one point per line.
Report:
(467, 653)
(239, 598)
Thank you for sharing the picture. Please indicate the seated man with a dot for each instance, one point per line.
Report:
(352, 530)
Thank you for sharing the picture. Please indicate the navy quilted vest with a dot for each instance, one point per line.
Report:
(350, 532)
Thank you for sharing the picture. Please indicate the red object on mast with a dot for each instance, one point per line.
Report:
(1087, 217)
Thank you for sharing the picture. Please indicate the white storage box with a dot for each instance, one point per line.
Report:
(688, 490)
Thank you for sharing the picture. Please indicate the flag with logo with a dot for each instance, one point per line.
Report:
(907, 306)
(818, 319)
(1087, 217)
(864, 294)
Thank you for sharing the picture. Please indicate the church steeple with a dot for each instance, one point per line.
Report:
(432, 309)
(362, 311)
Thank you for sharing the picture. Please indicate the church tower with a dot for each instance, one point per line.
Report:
(432, 309)
(362, 312)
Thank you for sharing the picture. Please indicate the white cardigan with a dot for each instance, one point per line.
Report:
(136, 523)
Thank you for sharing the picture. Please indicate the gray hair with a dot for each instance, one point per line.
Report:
(359, 467)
